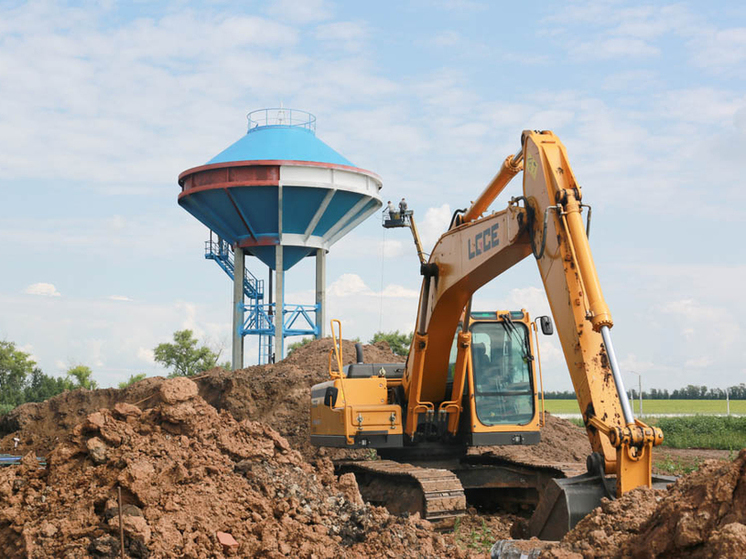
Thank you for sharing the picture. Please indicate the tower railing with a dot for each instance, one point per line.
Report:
(296, 319)
(289, 118)
(222, 252)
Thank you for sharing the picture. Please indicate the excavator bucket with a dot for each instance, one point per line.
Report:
(565, 502)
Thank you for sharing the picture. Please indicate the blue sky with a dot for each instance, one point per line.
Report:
(103, 104)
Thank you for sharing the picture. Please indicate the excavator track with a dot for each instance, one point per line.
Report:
(436, 494)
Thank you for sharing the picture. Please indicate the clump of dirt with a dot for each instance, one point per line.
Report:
(276, 394)
(188, 473)
(701, 516)
(561, 442)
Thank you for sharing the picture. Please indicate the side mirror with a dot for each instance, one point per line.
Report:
(546, 325)
(330, 398)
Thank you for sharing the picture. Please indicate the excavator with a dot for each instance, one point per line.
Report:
(470, 379)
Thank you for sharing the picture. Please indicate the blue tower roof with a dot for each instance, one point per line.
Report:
(273, 186)
(268, 140)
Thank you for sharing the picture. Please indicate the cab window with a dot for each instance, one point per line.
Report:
(504, 392)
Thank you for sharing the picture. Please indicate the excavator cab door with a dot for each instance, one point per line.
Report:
(503, 383)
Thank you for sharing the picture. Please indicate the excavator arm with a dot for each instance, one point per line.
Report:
(546, 222)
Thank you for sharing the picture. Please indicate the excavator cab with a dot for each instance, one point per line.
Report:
(502, 395)
(502, 367)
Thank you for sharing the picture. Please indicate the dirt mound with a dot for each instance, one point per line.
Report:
(275, 394)
(279, 394)
(561, 442)
(314, 355)
(40, 426)
(702, 516)
(188, 473)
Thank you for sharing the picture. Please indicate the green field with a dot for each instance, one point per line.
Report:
(704, 407)
(703, 430)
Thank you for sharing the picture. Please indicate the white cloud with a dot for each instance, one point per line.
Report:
(447, 38)
(704, 327)
(43, 289)
(459, 6)
(349, 36)
(300, 11)
(146, 355)
(704, 105)
(615, 47)
(29, 349)
(392, 248)
(115, 340)
(720, 50)
(400, 292)
(631, 80)
(702, 362)
(347, 285)
(119, 298)
(434, 224)
(189, 320)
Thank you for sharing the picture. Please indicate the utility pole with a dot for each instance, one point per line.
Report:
(639, 388)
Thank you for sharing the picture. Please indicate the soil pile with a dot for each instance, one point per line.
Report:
(193, 480)
(277, 394)
(40, 426)
(702, 516)
(562, 442)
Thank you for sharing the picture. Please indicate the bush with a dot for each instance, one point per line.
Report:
(703, 431)
(398, 342)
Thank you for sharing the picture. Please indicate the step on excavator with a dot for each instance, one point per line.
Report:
(471, 380)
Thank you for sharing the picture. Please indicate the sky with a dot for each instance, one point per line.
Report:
(103, 104)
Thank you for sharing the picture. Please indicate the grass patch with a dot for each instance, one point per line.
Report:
(479, 539)
(675, 466)
(703, 407)
(722, 433)
(698, 431)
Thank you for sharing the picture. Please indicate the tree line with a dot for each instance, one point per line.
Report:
(22, 381)
(690, 392)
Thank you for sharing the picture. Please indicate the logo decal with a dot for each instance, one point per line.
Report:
(531, 166)
(483, 241)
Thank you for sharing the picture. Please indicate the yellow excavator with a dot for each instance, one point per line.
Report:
(471, 380)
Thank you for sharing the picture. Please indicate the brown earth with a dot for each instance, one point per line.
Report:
(701, 516)
(276, 394)
(561, 442)
(680, 461)
(188, 472)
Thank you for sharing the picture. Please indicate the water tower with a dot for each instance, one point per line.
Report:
(279, 194)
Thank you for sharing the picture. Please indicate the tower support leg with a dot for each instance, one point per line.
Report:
(320, 292)
(238, 308)
(279, 304)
